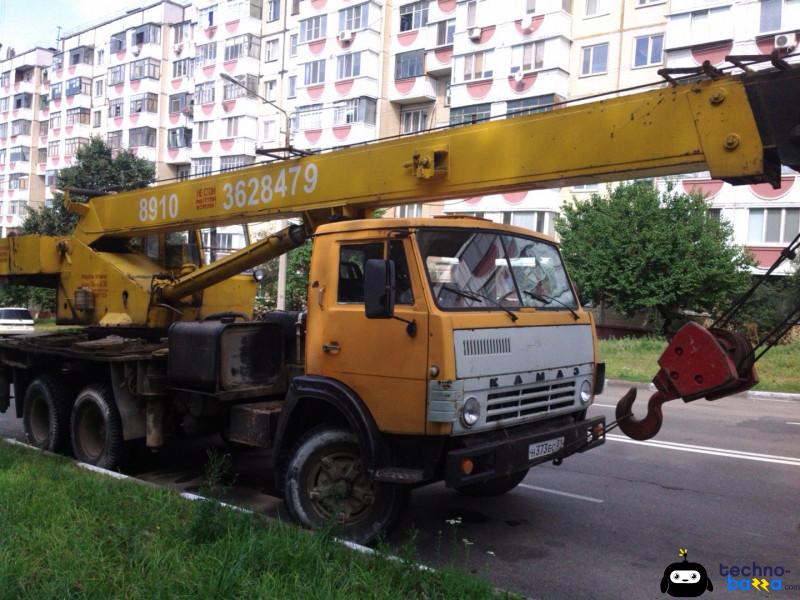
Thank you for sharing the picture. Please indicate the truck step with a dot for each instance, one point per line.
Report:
(252, 424)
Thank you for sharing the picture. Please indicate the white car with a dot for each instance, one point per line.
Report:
(15, 320)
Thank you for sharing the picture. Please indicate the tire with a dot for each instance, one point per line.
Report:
(325, 484)
(493, 487)
(45, 414)
(96, 427)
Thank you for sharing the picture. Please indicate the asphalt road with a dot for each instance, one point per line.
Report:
(721, 479)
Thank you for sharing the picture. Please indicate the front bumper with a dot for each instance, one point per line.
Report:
(506, 451)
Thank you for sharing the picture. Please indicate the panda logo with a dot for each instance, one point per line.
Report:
(685, 579)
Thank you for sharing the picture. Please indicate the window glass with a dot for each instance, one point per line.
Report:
(755, 225)
(352, 261)
(773, 229)
(403, 292)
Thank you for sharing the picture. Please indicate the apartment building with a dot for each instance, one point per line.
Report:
(23, 126)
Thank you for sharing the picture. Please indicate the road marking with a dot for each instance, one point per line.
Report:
(769, 458)
(560, 493)
(792, 423)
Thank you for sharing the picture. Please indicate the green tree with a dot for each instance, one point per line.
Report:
(95, 168)
(640, 249)
(297, 265)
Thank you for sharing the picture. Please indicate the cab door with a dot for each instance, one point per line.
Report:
(377, 358)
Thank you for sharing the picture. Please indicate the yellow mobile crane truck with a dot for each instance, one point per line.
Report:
(449, 349)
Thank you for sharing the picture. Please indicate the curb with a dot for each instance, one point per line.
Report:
(752, 395)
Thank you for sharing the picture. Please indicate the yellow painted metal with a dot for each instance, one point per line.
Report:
(665, 131)
(29, 255)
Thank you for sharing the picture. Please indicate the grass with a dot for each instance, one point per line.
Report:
(67, 533)
(636, 360)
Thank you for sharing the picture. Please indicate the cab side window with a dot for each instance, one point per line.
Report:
(352, 260)
(403, 293)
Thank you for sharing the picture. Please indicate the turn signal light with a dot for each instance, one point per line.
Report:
(467, 466)
(598, 431)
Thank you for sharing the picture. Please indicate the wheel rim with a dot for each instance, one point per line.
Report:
(39, 420)
(91, 431)
(340, 488)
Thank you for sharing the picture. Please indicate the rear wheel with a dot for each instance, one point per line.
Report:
(96, 427)
(493, 487)
(326, 484)
(45, 413)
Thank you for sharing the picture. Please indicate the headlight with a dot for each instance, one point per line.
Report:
(586, 392)
(471, 411)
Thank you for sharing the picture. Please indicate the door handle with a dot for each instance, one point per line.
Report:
(332, 348)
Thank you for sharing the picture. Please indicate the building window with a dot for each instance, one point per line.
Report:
(201, 167)
(180, 137)
(82, 55)
(52, 149)
(55, 120)
(203, 128)
(228, 163)
(206, 53)
(205, 16)
(648, 50)
(348, 65)
(293, 45)
(17, 181)
(142, 136)
(4, 129)
(183, 68)
(180, 102)
(77, 116)
(232, 126)
(594, 8)
(50, 177)
(183, 173)
(98, 88)
(242, 46)
(470, 114)
(72, 145)
(527, 57)
(44, 126)
(530, 6)
(529, 106)
(23, 126)
(146, 68)
(271, 50)
(413, 16)
(314, 72)
(41, 155)
(414, 119)
(115, 108)
(270, 87)
(24, 100)
(770, 15)
(5, 78)
(538, 220)
(309, 116)
(114, 140)
(19, 154)
(478, 65)
(292, 91)
(701, 20)
(295, 7)
(773, 225)
(117, 43)
(357, 110)
(55, 91)
(146, 34)
(116, 75)
(354, 17)
(79, 85)
(100, 57)
(230, 91)
(273, 10)
(313, 28)
(97, 119)
(4, 104)
(181, 32)
(204, 93)
(594, 59)
(409, 64)
(144, 103)
(445, 30)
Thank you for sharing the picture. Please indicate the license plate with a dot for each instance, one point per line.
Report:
(544, 448)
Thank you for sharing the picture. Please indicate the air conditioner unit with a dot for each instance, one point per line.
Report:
(526, 22)
(474, 33)
(786, 41)
(346, 35)
(178, 48)
(518, 76)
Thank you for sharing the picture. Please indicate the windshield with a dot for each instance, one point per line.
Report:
(469, 269)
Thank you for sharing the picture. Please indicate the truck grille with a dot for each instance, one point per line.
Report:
(487, 346)
(524, 402)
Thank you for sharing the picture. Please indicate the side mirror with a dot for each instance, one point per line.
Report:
(379, 280)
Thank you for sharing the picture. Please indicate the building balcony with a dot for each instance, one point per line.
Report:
(77, 70)
(412, 90)
(238, 66)
(146, 152)
(332, 134)
(224, 147)
(353, 88)
(439, 61)
(178, 156)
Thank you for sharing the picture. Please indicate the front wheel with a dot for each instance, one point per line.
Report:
(493, 487)
(326, 484)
